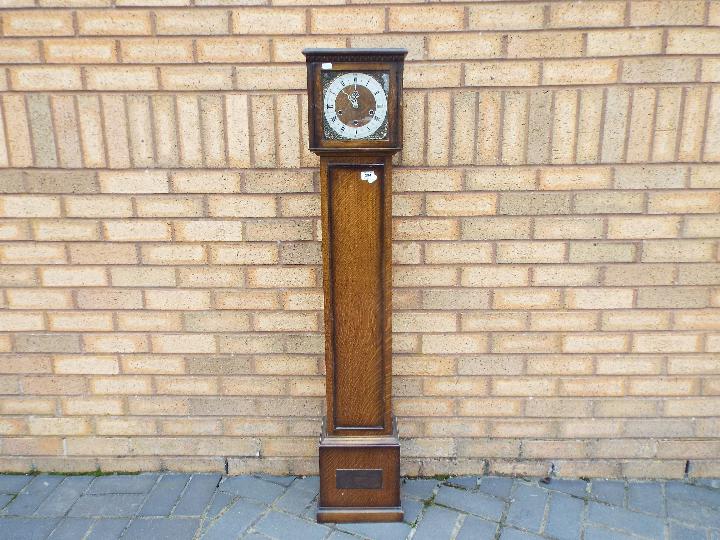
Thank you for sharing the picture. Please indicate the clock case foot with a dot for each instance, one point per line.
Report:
(359, 478)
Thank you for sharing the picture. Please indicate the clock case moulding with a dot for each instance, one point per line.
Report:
(359, 447)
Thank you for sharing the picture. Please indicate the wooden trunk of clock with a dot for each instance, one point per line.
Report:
(359, 447)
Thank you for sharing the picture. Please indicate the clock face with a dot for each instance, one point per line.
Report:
(355, 105)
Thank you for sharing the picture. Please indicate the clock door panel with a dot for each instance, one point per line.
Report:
(357, 272)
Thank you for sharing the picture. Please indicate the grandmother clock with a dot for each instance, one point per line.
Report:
(355, 127)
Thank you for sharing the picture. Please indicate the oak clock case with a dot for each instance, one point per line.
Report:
(354, 100)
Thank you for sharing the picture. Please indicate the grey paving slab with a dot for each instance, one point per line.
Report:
(646, 497)
(284, 481)
(690, 512)
(419, 488)
(477, 529)
(689, 492)
(340, 535)
(116, 505)
(234, 521)
(564, 519)
(684, 532)
(26, 528)
(437, 522)
(219, 502)
(281, 526)
(197, 495)
(619, 518)
(33, 495)
(411, 509)
(474, 503)
(162, 529)
(123, 483)
(5, 498)
(308, 483)
(467, 482)
(63, 497)
(593, 532)
(496, 486)
(577, 488)
(252, 488)
(13, 483)
(378, 531)
(609, 491)
(515, 534)
(295, 500)
(107, 529)
(164, 495)
(71, 529)
(527, 507)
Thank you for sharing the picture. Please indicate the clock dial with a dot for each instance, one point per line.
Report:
(355, 106)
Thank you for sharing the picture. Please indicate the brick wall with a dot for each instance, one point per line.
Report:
(557, 210)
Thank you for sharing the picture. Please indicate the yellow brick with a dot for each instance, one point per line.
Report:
(92, 406)
(666, 12)
(563, 321)
(19, 51)
(583, 252)
(454, 343)
(249, 253)
(125, 426)
(169, 206)
(174, 254)
(677, 250)
(530, 252)
(425, 229)
(106, 298)
(186, 385)
(242, 206)
(600, 298)
(79, 51)
(272, 277)
(35, 253)
(526, 343)
(58, 426)
(635, 320)
(545, 45)
(508, 73)
(580, 71)
(624, 42)
(526, 298)
(663, 386)
(142, 276)
(196, 78)
(151, 321)
(595, 343)
(576, 178)
(424, 276)
(593, 13)
(494, 276)
(506, 16)
(359, 20)
(592, 386)
(156, 51)
(650, 70)
(86, 364)
(81, 322)
(21, 322)
(464, 46)
(114, 343)
(37, 23)
(626, 364)
(269, 21)
(121, 384)
(97, 206)
(205, 181)
(424, 322)
(666, 342)
(144, 231)
(427, 180)
(29, 206)
(133, 182)
(121, 78)
(209, 230)
(115, 22)
(286, 322)
(435, 18)
(38, 299)
(683, 202)
(461, 204)
(177, 299)
(560, 228)
(191, 22)
(493, 321)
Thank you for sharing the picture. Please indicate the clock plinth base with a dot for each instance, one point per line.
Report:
(359, 478)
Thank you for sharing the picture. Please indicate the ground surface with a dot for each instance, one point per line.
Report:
(210, 506)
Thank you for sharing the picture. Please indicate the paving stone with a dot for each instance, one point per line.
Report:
(436, 522)
(578, 488)
(284, 481)
(295, 500)
(107, 529)
(646, 497)
(64, 496)
(714, 535)
(308, 483)
(233, 522)
(197, 495)
(619, 518)
(252, 488)
(13, 483)
(219, 502)
(71, 529)
(476, 529)
(690, 512)
(527, 507)
(688, 492)
(411, 509)
(467, 482)
(600, 533)
(4, 499)
(124, 483)
(164, 495)
(282, 526)
(473, 503)
(33, 495)
(418, 488)
(26, 528)
(116, 505)
(384, 531)
(683, 532)
(497, 486)
(256, 536)
(514, 534)
(340, 535)
(708, 482)
(162, 529)
(609, 491)
(564, 517)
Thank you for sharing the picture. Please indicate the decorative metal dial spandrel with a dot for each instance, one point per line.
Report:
(355, 105)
